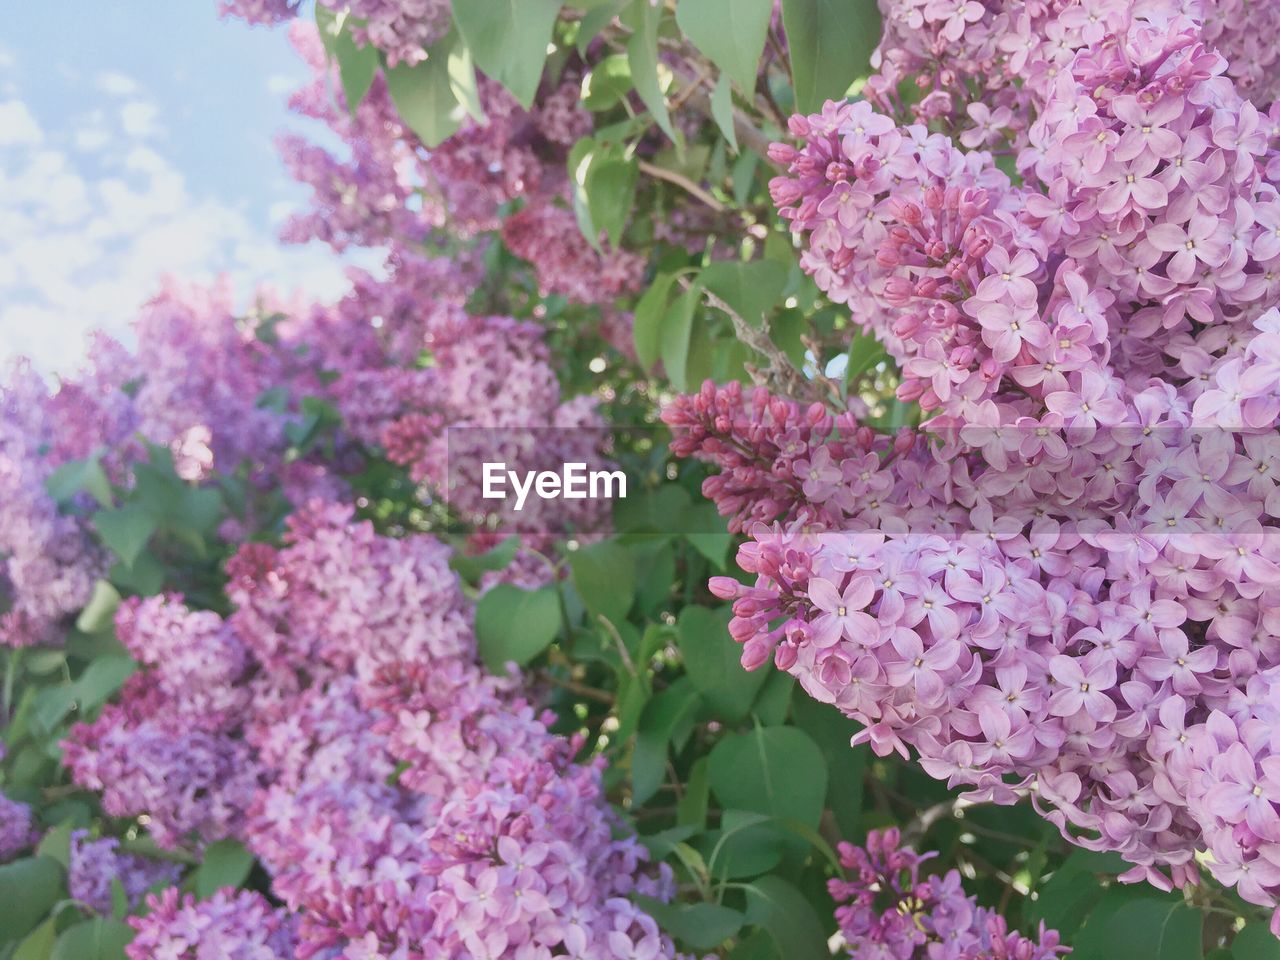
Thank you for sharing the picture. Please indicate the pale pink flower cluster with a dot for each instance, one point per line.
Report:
(405, 803)
(981, 67)
(228, 925)
(1066, 583)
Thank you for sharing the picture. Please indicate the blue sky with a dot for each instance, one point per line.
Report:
(131, 145)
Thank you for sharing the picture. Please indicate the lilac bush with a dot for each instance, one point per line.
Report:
(1062, 583)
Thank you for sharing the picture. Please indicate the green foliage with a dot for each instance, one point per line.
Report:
(711, 661)
(226, 864)
(776, 771)
(514, 625)
(508, 39)
(28, 890)
(98, 939)
(830, 42)
(424, 94)
(730, 32)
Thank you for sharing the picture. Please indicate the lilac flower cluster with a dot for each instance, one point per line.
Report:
(405, 803)
(47, 565)
(888, 911)
(94, 864)
(981, 70)
(228, 925)
(1068, 578)
(17, 828)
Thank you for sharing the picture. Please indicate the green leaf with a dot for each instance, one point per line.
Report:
(39, 944)
(119, 899)
(516, 625)
(662, 719)
(758, 946)
(647, 326)
(1152, 929)
(103, 677)
(598, 17)
(605, 575)
(642, 54)
(722, 111)
(99, 613)
(424, 97)
(472, 567)
(774, 699)
(125, 530)
(1064, 900)
(1097, 938)
(708, 533)
(98, 939)
(831, 730)
(777, 771)
(462, 81)
(730, 32)
(746, 845)
(611, 193)
(1255, 942)
(699, 926)
(28, 890)
(712, 659)
(865, 351)
(607, 83)
(677, 332)
(226, 864)
(775, 905)
(357, 65)
(691, 809)
(580, 158)
(830, 42)
(509, 39)
(79, 475)
(56, 844)
(750, 289)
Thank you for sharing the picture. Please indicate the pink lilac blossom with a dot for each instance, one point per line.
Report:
(887, 910)
(95, 864)
(1073, 564)
(982, 70)
(47, 562)
(405, 803)
(228, 925)
(17, 828)
(401, 29)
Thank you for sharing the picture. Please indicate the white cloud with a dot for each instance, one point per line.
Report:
(116, 84)
(85, 239)
(139, 119)
(279, 84)
(17, 125)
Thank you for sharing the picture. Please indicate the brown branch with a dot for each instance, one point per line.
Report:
(683, 182)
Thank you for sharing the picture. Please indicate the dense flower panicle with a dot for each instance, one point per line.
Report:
(17, 828)
(889, 911)
(1067, 579)
(548, 237)
(983, 69)
(228, 925)
(47, 562)
(95, 864)
(405, 803)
